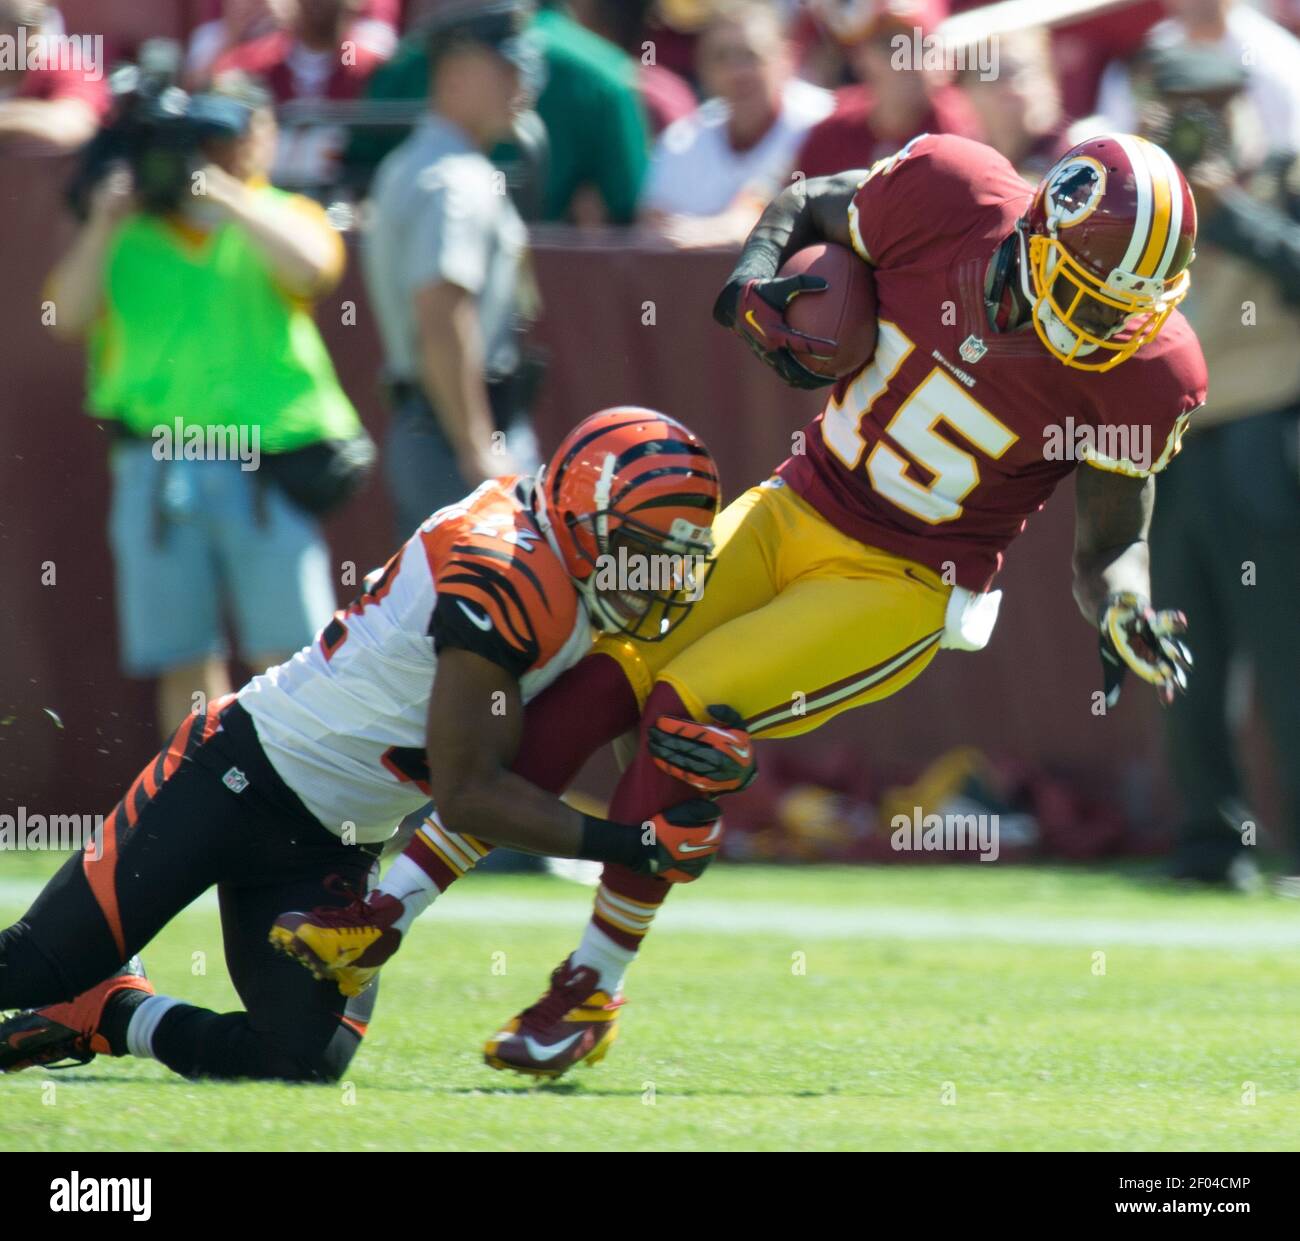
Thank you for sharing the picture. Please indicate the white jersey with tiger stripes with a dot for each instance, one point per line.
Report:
(343, 721)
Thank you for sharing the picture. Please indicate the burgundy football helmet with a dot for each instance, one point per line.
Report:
(1104, 249)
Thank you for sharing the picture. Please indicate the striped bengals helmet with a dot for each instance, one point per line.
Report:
(627, 501)
(1104, 249)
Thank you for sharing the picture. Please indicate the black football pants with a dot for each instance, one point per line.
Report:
(209, 810)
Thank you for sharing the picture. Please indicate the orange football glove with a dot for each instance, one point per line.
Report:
(714, 758)
(684, 839)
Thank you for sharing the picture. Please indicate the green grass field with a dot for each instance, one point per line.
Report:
(924, 1009)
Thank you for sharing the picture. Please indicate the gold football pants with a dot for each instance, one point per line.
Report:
(797, 622)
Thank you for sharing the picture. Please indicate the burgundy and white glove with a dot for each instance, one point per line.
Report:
(1134, 635)
(755, 311)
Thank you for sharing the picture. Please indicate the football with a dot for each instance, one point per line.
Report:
(845, 311)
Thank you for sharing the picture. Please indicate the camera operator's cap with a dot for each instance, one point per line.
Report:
(501, 25)
(219, 116)
(1194, 69)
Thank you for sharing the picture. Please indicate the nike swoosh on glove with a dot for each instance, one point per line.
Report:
(755, 311)
(713, 758)
(683, 840)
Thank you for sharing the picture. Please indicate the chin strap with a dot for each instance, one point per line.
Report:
(535, 497)
(542, 515)
(597, 610)
(1061, 335)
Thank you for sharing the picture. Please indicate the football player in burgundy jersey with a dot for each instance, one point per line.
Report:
(283, 793)
(1022, 331)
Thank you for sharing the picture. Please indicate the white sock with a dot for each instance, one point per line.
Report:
(144, 1024)
(412, 886)
(608, 959)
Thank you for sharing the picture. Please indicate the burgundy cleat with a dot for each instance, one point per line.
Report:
(345, 944)
(573, 1023)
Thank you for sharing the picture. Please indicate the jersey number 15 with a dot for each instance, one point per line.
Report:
(937, 398)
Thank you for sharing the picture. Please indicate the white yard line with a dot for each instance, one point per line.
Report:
(796, 923)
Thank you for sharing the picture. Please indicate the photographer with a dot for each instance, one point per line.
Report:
(1224, 535)
(191, 280)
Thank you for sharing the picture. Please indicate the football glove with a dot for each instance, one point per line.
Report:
(755, 310)
(713, 758)
(682, 840)
(1134, 635)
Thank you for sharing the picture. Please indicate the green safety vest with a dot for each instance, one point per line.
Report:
(199, 330)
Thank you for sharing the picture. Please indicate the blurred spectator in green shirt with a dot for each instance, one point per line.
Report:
(589, 104)
(665, 96)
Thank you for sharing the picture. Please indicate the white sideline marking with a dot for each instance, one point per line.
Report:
(698, 916)
(780, 920)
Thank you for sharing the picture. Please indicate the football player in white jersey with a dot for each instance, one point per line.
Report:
(282, 795)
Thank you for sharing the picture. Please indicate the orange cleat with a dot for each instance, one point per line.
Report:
(66, 1032)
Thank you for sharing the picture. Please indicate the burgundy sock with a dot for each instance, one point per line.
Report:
(588, 707)
(643, 791)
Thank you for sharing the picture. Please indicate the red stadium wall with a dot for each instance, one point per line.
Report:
(622, 325)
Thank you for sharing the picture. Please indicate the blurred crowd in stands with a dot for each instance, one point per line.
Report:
(680, 119)
(669, 111)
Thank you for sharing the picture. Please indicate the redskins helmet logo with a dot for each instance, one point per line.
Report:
(1074, 191)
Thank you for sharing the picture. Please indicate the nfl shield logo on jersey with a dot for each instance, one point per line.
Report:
(972, 349)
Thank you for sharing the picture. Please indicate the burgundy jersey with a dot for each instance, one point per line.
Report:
(944, 444)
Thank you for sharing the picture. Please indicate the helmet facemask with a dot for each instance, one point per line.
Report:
(1058, 288)
(638, 581)
(627, 503)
